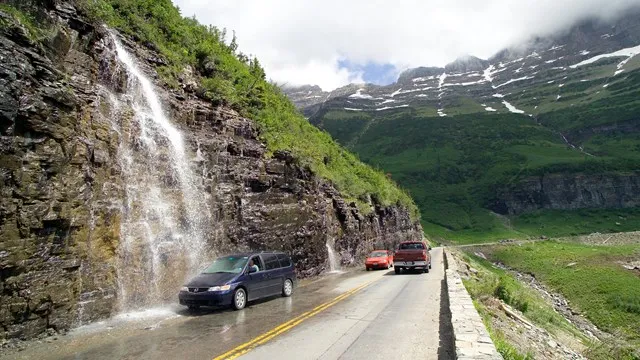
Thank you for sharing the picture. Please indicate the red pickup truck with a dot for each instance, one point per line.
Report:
(412, 255)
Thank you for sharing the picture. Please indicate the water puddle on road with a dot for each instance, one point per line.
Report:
(148, 319)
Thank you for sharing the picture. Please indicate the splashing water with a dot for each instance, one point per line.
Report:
(164, 214)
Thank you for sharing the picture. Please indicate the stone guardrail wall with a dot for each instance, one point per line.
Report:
(471, 338)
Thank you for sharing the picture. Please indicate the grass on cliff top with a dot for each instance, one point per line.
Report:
(558, 223)
(229, 77)
(28, 20)
(488, 227)
(595, 283)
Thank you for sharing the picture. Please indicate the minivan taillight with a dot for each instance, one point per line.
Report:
(424, 254)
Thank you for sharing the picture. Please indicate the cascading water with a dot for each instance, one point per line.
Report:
(334, 265)
(163, 238)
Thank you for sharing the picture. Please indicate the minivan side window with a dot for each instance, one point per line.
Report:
(258, 263)
(271, 262)
(285, 261)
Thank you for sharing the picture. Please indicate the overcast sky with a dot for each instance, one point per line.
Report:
(335, 42)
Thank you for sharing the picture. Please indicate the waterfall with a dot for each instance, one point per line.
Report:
(164, 213)
(334, 265)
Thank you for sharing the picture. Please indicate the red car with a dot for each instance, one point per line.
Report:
(379, 259)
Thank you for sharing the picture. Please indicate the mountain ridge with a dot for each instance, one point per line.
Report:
(578, 34)
(465, 141)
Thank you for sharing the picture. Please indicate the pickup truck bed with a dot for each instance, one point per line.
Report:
(412, 255)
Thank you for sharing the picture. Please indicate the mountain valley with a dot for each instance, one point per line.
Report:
(548, 126)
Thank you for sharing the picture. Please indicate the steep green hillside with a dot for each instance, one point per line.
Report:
(454, 165)
(229, 77)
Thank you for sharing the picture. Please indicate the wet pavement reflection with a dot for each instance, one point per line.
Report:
(177, 333)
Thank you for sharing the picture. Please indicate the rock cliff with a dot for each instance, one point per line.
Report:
(562, 192)
(64, 191)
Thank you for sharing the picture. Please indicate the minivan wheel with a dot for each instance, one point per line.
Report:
(239, 299)
(287, 288)
(397, 270)
(426, 269)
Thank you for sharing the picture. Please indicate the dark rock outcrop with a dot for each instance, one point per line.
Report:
(62, 187)
(408, 75)
(466, 64)
(564, 192)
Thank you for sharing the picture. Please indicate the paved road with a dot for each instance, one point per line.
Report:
(397, 317)
(355, 315)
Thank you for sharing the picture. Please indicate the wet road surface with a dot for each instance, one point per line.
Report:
(355, 315)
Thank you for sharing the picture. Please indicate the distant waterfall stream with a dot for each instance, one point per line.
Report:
(164, 213)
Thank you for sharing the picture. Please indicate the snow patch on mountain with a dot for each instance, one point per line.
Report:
(395, 92)
(360, 95)
(621, 65)
(423, 79)
(512, 108)
(392, 107)
(489, 108)
(466, 83)
(441, 80)
(628, 52)
(488, 72)
(513, 80)
(385, 102)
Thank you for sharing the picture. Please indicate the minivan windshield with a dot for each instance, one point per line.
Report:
(227, 264)
(378, 254)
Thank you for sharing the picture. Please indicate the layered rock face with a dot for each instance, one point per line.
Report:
(66, 201)
(562, 192)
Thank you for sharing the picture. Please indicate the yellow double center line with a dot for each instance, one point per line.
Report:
(282, 328)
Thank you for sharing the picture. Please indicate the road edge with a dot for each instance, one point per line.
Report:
(470, 336)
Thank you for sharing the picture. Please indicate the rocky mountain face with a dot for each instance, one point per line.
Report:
(512, 71)
(71, 220)
(560, 192)
(575, 89)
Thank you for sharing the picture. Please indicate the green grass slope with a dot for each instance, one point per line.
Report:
(454, 165)
(590, 277)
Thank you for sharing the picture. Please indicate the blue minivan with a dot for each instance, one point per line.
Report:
(236, 279)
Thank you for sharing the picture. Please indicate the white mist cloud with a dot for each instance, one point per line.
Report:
(301, 41)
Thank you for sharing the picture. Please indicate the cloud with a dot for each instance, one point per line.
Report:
(305, 41)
